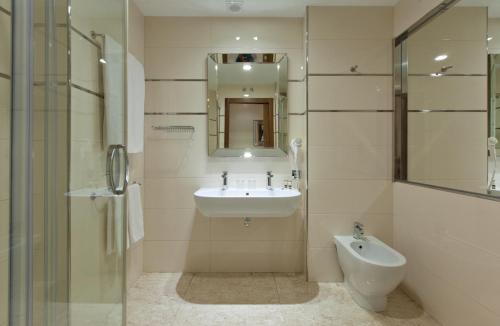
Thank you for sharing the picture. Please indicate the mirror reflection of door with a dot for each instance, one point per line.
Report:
(249, 123)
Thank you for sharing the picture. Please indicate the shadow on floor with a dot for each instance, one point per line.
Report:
(246, 288)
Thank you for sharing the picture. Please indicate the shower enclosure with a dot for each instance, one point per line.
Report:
(63, 162)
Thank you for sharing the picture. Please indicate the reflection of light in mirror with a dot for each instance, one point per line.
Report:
(246, 95)
(441, 57)
(489, 38)
(216, 67)
(278, 67)
(237, 38)
(301, 67)
(436, 74)
(102, 61)
(247, 67)
(247, 155)
(255, 38)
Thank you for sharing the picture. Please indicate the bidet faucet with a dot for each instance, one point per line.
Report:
(359, 231)
(269, 182)
(224, 180)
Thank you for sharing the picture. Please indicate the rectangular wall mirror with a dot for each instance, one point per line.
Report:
(447, 86)
(247, 104)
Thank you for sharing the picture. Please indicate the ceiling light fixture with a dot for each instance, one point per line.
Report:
(441, 57)
(247, 155)
(234, 5)
(489, 38)
(237, 38)
(247, 67)
(255, 38)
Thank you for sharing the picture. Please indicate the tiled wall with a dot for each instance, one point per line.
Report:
(449, 241)
(5, 72)
(136, 48)
(449, 148)
(350, 139)
(178, 237)
(451, 245)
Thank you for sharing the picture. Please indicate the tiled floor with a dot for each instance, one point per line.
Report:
(257, 299)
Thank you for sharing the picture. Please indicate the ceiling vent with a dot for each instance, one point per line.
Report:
(234, 5)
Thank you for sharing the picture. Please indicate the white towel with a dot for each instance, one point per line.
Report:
(114, 226)
(135, 215)
(113, 92)
(136, 91)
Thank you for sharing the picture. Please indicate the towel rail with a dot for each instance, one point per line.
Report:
(181, 129)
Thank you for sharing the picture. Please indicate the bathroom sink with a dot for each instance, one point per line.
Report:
(260, 202)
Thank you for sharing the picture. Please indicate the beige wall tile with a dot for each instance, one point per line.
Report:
(441, 234)
(325, 226)
(323, 265)
(361, 23)
(171, 96)
(177, 32)
(466, 57)
(450, 92)
(257, 256)
(176, 256)
(343, 93)
(338, 56)
(350, 129)
(176, 224)
(408, 12)
(350, 196)
(260, 229)
(458, 23)
(6, 4)
(175, 63)
(349, 162)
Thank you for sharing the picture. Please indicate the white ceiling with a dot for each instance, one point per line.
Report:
(251, 8)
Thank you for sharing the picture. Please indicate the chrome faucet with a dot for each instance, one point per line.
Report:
(270, 175)
(224, 180)
(359, 231)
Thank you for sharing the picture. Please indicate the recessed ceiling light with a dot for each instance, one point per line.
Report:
(441, 57)
(102, 61)
(246, 95)
(237, 38)
(247, 155)
(255, 38)
(489, 38)
(247, 67)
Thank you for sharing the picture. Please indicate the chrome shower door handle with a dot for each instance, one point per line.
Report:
(117, 158)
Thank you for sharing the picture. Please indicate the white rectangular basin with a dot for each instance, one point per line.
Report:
(261, 202)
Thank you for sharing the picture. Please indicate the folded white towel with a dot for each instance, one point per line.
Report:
(136, 91)
(135, 214)
(114, 102)
(114, 226)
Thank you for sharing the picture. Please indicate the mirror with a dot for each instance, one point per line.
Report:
(247, 104)
(447, 86)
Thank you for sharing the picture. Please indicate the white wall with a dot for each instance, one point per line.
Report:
(178, 238)
(349, 152)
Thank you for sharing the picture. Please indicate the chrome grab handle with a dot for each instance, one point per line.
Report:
(110, 169)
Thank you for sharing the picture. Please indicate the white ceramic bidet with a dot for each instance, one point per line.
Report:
(371, 269)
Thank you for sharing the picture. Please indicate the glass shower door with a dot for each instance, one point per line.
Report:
(66, 229)
(98, 161)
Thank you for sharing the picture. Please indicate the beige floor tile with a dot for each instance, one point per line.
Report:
(258, 299)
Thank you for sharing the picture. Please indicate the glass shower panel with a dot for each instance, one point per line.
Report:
(97, 162)
(5, 89)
